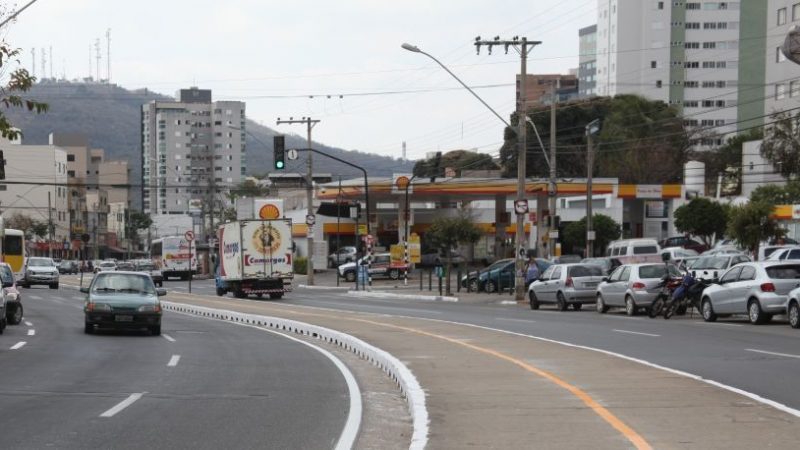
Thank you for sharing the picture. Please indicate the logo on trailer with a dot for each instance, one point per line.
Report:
(266, 239)
(269, 211)
(231, 248)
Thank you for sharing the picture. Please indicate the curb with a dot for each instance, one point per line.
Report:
(384, 294)
(392, 366)
(323, 288)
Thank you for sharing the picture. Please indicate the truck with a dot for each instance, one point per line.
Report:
(255, 258)
(175, 256)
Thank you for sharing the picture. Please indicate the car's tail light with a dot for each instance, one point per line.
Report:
(638, 285)
(767, 287)
(569, 282)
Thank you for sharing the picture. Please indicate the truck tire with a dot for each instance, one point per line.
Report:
(220, 292)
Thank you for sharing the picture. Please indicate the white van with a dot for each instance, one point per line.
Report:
(632, 251)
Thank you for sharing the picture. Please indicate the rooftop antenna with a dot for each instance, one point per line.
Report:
(108, 55)
(33, 60)
(44, 63)
(63, 68)
(51, 61)
(90, 61)
(98, 57)
(404, 151)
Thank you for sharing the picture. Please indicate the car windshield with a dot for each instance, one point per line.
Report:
(710, 262)
(6, 275)
(146, 267)
(657, 271)
(585, 271)
(107, 264)
(117, 282)
(40, 262)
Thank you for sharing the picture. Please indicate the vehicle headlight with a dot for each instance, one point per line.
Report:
(98, 307)
(150, 308)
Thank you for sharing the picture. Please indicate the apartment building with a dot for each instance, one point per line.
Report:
(587, 61)
(782, 87)
(41, 195)
(190, 148)
(682, 53)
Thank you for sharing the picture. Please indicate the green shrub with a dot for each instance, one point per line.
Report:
(300, 265)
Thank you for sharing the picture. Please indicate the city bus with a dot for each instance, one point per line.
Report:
(13, 250)
(175, 256)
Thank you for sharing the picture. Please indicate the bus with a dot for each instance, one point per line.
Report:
(13, 251)
(175, 256)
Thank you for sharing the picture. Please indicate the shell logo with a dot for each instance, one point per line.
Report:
(269, 212)
(401, 182)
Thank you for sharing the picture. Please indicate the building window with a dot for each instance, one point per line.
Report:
(780, 91)
(70, 157)
(782, 16)
(653, 64)
(658, 84)
(794, 88)
(796, 11)
(660, 5)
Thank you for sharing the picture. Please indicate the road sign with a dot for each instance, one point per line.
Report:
(553, 235)
(590, 235)
(311, 219)
(292, 154)
(189, 235)
(521, 206)
(362, 229)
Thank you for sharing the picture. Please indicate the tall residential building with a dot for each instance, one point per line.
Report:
(190, 148)
(587, 61)
(782, 76)
(683, 53)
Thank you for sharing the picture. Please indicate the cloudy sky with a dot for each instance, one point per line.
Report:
(276, 55)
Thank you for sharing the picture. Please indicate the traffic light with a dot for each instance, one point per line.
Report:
(2, 166)
(279, 155)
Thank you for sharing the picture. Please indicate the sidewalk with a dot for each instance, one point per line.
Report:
(488, 389)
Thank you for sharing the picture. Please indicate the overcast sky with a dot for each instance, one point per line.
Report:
(275, 54)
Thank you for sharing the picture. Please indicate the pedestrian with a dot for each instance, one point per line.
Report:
(532, 272)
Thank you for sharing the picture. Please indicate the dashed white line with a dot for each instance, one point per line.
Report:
(122, 405)
(18, 345)
(174, 361)
(168, 337)
(637, 332)
(28, 323)
(785, 355)
(31, 332)
(35, 297)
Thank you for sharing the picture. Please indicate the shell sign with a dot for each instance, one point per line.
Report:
(400, 183)
(269, 211)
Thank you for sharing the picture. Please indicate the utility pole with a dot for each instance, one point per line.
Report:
(523, 47)
(552, 192)
(49, 226)
(309, 192)
(591, 129)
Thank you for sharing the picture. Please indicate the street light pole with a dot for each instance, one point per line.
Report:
(49, 226)
(309, 194)
(591, 129)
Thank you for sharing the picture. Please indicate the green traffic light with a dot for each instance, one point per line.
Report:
(279, 164)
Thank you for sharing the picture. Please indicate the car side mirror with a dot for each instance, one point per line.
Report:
(161, 292)
(605, 279)
(85, 290)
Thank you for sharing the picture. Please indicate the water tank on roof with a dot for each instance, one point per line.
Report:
(694, 176)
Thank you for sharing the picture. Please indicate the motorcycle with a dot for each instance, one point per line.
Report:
(668, 286)
(687, 293)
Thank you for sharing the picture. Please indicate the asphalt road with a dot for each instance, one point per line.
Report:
(202, 384)
(763, 359)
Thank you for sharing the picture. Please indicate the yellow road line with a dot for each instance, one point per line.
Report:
(637, 440)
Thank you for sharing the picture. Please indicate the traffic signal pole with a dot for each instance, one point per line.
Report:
(309, 194)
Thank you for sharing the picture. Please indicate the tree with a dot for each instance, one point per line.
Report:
(39, 228)
(605, 231)
(446, 233)
(137, 220)
(19, 221)
(777, 195)
(781, 144)
(248, 188)
(752, 223)
(456, 159)
(641, 141)
(727, 159)
(19, 81)
(703, 218)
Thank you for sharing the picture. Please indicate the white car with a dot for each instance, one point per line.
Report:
(758, 289)
(565, 285)
(784, 254)
(105, 266)
(39, 271)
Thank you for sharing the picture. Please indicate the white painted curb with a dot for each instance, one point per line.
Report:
(324, 288)
(392, 366)
(384, 294)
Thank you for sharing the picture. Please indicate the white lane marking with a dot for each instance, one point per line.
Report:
(122, 405)
(174, 361)
(719, 323)
(18, 345)
(353, 423)
(35, 297)
(508, 319)
(636, 332)
(31, 332)
(168, 337)
(28, 323)
(786, 355)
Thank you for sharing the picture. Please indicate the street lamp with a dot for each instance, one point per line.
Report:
(591, 130)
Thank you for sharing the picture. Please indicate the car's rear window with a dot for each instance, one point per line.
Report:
(645, 250)
(585, 271)
(657, 271)
(784, 272)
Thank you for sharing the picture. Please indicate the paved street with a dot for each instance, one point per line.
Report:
(202, 384)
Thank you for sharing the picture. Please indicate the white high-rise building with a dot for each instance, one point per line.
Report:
(683, 53)
(192, 149)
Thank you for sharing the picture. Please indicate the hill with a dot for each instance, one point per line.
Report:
(110, 116)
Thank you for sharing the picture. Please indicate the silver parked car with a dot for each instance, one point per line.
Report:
(789, 253)
(633, 286)
(758, 289)
(566, 284)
